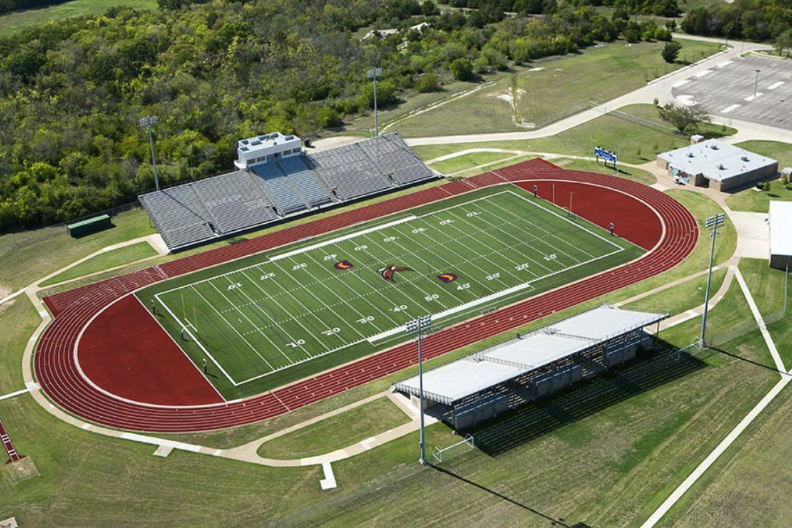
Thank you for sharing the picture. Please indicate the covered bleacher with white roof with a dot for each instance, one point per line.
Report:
(277, 180)
(481, 386)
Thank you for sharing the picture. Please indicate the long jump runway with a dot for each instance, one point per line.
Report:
(666, 228)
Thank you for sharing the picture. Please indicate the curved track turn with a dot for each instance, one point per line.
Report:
(61, 380)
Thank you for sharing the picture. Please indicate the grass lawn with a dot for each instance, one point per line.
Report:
(107, 260)
(759, 201)
(337, 432)
(30, 255)
(631, 173)
(531, 98)
(633, 142)
(18, 319)
(681, 297)
(469, 161)
(18, 20)
(750, 482)
(621, 460)
(767, 288)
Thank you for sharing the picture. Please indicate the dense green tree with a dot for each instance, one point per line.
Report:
(682, 117)
(671, 51)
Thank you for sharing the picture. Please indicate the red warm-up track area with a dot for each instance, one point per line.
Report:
(105, 359)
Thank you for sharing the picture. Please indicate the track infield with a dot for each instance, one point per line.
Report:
(280, 316)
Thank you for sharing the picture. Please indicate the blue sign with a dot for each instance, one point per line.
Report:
(605, 154)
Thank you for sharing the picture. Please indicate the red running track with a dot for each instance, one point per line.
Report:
(601, 199)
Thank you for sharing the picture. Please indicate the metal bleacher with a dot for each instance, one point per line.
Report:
(305, 181)
(234, 201)
(286, 196)
(349, 172)
(196, 212)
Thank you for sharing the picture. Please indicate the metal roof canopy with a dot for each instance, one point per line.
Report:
(780, 232)
(715, 159)
(458, 380)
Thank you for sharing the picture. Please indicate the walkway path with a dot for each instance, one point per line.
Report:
(786, 377)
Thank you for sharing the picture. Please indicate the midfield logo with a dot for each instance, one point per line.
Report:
(447, 277)
(344, 264)
(388, 271)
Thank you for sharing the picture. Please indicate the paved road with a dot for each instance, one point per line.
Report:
(659, 88)
(754, 88)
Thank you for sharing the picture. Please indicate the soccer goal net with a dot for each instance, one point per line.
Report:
(445, 453)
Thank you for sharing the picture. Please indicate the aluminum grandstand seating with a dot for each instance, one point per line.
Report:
(178, 215)
(349, 172)
(235, 201)
(305, 181)
(395, 159)
(284, 193)
(196, 212)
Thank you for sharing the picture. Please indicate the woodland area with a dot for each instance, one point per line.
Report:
(71, 93)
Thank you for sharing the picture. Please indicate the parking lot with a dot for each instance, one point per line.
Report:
(734, 89)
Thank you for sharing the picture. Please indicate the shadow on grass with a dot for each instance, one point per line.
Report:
(553, 522)
(735, 356)
(535, 420)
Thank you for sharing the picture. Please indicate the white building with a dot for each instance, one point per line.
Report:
(269, 147)
(719, 165)
(780, 234)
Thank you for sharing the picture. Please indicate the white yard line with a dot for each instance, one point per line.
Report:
(342, 238)
(210, 356)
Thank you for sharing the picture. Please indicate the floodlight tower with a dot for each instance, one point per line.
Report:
(147, 122)
(418, 327)
(373, 74)
(713, 223)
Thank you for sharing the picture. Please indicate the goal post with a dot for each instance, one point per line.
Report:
(466, 444)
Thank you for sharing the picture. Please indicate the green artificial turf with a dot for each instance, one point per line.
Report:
(286, 314)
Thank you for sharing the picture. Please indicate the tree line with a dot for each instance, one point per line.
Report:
(759, 20)
(71, 93)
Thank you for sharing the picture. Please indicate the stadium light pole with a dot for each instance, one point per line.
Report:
(418, 326)
(713, 223)
(372, 74)
(756, 82)
(147, 122)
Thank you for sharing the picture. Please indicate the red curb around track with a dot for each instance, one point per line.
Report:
(63, 383)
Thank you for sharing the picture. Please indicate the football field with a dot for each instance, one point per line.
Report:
(297, 310)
